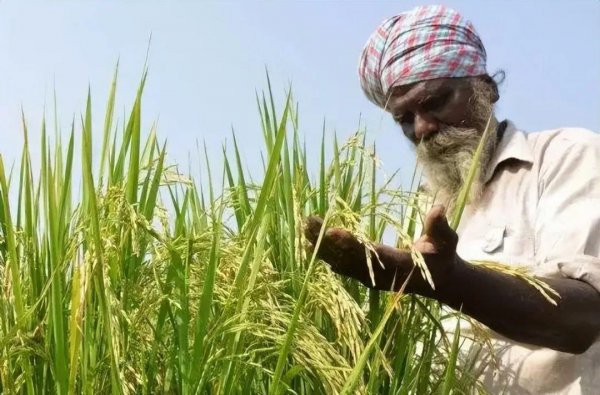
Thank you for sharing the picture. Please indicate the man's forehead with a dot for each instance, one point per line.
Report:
(403, 95)
(429, 87)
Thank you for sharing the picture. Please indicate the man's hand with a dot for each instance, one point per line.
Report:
(504, 303)
(347, 256)
(438, 244)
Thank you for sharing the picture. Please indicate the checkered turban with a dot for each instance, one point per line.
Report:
(424, 43)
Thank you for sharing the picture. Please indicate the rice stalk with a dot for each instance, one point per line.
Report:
(143, 279)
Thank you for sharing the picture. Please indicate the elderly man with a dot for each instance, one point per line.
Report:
(535, 202)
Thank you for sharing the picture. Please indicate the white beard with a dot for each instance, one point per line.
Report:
(446, 160)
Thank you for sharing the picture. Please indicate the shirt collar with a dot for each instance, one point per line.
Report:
(512, 145)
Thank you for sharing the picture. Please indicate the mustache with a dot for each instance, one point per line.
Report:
(449, 140)
(446, 156)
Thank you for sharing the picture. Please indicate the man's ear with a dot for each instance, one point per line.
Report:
(494, 85)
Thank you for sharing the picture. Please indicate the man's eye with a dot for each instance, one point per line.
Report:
(435, 103)
(408, 117)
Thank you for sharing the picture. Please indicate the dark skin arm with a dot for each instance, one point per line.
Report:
(508, 305)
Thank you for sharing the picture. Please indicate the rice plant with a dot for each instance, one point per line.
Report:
(144, 280)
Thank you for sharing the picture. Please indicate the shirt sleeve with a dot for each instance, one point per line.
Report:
(567, 227)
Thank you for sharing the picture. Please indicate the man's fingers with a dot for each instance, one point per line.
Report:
(437, 227)
(312, 228)
(327, 249)
(334, 238)
(339, 248)
(435, 216)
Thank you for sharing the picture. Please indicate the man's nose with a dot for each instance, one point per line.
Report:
(425, 126)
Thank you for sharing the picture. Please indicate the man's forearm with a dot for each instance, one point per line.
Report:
(515, 309)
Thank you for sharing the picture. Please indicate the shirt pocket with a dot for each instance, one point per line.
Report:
(519, 245)
(508, 244)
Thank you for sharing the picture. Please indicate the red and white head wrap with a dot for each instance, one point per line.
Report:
(424, 43)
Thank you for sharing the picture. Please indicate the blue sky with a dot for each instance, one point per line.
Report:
(208, 58)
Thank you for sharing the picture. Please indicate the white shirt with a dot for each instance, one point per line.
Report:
(540, 208)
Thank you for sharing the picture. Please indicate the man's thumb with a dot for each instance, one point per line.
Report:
(437, 227)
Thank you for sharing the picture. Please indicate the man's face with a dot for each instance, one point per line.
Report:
(424, 108)
(445, 119)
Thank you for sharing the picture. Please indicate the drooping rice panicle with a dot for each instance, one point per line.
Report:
(121, 273)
